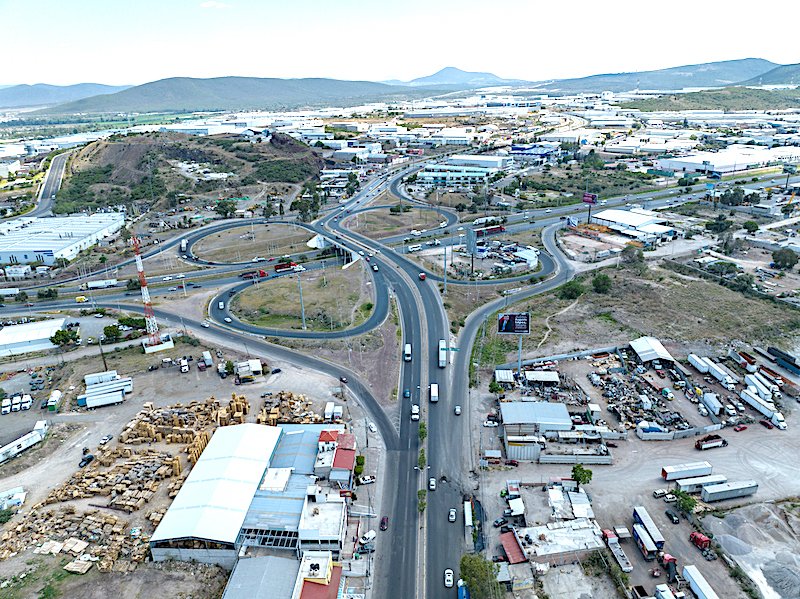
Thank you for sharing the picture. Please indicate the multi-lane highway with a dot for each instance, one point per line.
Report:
(51, 184)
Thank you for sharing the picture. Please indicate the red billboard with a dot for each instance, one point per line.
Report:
(590, 198)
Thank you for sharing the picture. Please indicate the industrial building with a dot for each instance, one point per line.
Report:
(253, 486)
(483, 161)
(644, 226)
(527, 423)
(27, 240)
(33, 336)
(443, 175)
(649, 349)
(736, 158)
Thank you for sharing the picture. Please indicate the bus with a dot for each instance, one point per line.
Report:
(434, 392)
(645, 543)
(442, 353)
(640, 516)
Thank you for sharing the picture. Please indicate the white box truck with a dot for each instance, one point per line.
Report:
(27, 402)
(434, 392)
(699, 363)
(16, 403)
(5, 407)
(407, 352)
(184, 365)
(207, 359)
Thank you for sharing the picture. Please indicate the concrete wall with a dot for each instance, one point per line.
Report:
(223, 557)
(575, 459)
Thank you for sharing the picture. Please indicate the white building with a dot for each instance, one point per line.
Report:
(9, 167)
(33, 336)
(642, 225)
(733, 159)
(442, 175)
(34, 239)
(481, 160)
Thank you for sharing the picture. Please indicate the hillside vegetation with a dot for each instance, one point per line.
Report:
(182, 94)
(729, 99)
(136, 169)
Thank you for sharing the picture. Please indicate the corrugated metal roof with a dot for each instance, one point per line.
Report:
(650, 348)
(533, 412)
(213, 502)
(262, 578)
(32, 331)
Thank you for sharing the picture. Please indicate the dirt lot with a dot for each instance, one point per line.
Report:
(334, 299)
(377, 224)
(245, 243)
(44, 576)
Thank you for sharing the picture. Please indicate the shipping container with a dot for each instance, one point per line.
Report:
(686, 470)
(640, 516)
(698, 583)
(99, 377)
(728, 490)
(695, 484)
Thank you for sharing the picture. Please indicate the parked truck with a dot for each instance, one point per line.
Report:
(743, 359)
(16, 403)
(773, 388)
(772, 376)
(699, 363)
(699, 540)
(710, 442)
(686, 470)
(184, 245)
(764, 407)
(613, 545)
(728, 491)
(670, 564)
(697, 583)
(207, 359)
(27, 402)
(718, 373)
(5, 407)
(184, 365)
(756, 385)
(711, 403)
(221, 370)
(103, 284)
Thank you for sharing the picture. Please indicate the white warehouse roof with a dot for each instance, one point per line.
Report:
(214, 500)
(33, 336)
(649, 348)
(632, 219)
(536, 412)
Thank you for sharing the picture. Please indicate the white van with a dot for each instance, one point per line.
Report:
(414, 248)
(407, 353)
(434, 392)
(221, 305)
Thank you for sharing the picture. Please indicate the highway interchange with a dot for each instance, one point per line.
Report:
(420, 547)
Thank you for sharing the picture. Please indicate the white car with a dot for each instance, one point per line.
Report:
(490, 424)
(205, 324)
(670, 498)
(172, 289)
(372, 427)
(432, 484)
(448, 578)
(457, 411)
(451, 515)
(548, 211)
(360, 252)
(367, 480)
(227, 319)
(167, 279)
(181, 276)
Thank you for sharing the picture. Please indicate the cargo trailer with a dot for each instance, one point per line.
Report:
(95, 378)
(763, 407)
(644, 542)
(699, 363)
(689, 470)
(696, 484)
(698, 583)
(728, 491)
(711, 403)
(613, 545)
(758, 387)
(640, 516)
(103, 399)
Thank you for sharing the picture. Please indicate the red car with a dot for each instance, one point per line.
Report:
(512, 463)
(767, 423)
(660, 373)
(740, 428)
(385, 523)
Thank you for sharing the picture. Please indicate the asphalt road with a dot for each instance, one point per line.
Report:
(51, 185)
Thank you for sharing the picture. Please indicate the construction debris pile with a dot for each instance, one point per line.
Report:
(128, 485)
(91, 537)
(287, 408)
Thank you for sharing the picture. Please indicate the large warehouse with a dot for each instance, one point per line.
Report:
(27, 240)
(641, 225)
(253, 486)
(30, 337)
(736, 158)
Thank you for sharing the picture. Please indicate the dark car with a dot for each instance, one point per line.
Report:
(672, 516)
(493, 418)
(406, 393)
(512, 463)
(499, 558)
(153, 367)
(505, 529)
(86, 461)
(343, 379)
(384, 522)
(611, 444)
(276, 371)
(44, 405)
(499, 522)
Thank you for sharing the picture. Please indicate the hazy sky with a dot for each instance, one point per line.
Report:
(124, 41)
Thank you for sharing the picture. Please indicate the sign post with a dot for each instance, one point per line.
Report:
(515, 324)
(591, 199)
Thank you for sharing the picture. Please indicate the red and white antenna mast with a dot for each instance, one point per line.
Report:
(149, 316)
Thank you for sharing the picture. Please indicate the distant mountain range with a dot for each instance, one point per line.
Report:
(451, 76)
(711, 74)
(782, 75)
(42, 94)
(184, 94)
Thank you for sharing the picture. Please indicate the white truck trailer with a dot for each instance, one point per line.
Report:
(689, 470)
(758, 387)
(728, 491)
(719, 374)
(102, 284)
(696, 484)
(699, 363)
(764, 407)
(698, 583)
(711, 402)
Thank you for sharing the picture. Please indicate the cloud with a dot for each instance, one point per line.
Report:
(213, 4)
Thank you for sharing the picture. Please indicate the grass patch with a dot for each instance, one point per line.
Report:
(246, 242)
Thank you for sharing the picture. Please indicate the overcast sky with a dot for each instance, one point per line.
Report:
(131, 42)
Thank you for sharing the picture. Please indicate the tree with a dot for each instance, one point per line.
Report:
(21, 297)
(395, 209)
(685, 501)
(571, 290)
(423, 431)
(421, 503)
(750, 226)
(133, 284)
(103, 259)
(63, 338)
(225, 208)
(480, 576)
(631, 254)
(228, 367)
(112, 332)
(47, 293)
(460, 207)
(494, 387)
(719, 225)
(784, 258)
(125, 234)
(280, 208)
(602, 283)
(581, 475)
(268, 210)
